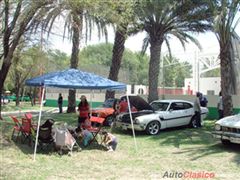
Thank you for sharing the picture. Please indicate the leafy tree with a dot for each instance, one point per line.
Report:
(212, 73)
(164, 18)
(174, 71)
(17, 17)
(101, 54)
(224, 25)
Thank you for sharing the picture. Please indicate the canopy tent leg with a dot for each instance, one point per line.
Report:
(38, 125)
(133, 131)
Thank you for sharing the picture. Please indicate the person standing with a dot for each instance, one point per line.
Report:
(60, 102)
(84, 110)
(220, 106)
(123, 105)
(197, 110)
(203, 100)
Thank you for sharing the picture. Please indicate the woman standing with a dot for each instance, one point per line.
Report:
(84, 110)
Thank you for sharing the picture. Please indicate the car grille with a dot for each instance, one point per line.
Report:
(232, 130)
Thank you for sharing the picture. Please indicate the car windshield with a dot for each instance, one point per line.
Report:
(108, 103)
(159, 106)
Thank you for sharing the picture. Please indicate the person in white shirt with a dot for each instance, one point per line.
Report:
(197, 110)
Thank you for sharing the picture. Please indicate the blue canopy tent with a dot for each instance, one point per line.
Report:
(74, 79)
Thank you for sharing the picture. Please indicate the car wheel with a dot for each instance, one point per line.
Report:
(193, 123)
(153, 128)
(109, 120)
(225, 142)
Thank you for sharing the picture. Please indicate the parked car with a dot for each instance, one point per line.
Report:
(159, 114)
(22, 98)
(227, 129)
(105, 111)
(4, 100)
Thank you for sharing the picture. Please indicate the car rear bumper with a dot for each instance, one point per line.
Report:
(125, 126)
(232, 137)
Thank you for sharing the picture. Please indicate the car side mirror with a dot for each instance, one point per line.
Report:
(170, 110)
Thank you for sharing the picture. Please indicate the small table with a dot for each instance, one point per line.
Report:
(95, 130)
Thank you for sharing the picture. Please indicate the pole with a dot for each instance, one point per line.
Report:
(38, 125)
(133, 131)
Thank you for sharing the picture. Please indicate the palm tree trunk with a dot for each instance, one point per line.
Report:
(226, 81)
(77, 31)
(118, 49)
(153, 72)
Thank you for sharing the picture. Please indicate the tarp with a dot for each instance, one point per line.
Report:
(75, 79)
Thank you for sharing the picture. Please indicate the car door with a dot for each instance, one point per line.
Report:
(176, 115)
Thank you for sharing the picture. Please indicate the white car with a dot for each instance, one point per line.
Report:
(227, 129)
(160, 114)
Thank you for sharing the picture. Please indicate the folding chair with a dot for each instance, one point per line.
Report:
(95, 130)
(26, 129)
(17, 127)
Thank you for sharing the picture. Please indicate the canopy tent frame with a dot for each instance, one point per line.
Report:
(48, 80)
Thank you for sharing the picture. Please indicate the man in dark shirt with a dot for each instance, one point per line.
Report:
(60, 102)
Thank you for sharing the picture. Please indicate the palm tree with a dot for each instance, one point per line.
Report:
(117, 54)
(75, 13)
(124, 19)
(224, 25)
(164, 18)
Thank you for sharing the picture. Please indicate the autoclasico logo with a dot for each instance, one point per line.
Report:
(188, 174)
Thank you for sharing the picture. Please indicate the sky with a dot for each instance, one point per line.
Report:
(207, 40)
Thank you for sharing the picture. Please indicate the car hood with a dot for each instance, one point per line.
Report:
(230, 121)
(139, 103)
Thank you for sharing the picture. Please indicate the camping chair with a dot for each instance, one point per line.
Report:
(45, 137)
(98, 121)
(17, 127)
(64, 140)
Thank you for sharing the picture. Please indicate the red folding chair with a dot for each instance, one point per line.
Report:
(95, 130)
(26, 129)
(17, 127)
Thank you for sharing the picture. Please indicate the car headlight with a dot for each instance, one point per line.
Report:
(137, 121)
(217, 127)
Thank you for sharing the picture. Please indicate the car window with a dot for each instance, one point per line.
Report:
(187, 105)
(177, 106)
(159, 106)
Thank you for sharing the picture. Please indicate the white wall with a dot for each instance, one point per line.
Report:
(205, 85)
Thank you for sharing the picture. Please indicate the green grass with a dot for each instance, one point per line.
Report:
(173, 150)
(23, 106)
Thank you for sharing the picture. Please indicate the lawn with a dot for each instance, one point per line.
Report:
(172, 151)
(23, 106)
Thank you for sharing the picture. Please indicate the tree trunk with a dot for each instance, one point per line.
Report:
(77, 31)
(3, 74)
(153, 72)
(9, 48)
(118, 49)
(226, 81)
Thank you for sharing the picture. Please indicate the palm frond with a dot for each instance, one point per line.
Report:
(145, 44)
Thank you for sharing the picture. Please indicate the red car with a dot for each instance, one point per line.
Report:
(105, 111)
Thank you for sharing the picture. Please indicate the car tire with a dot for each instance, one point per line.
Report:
(109, 120)
(225, 142)
(153, 128)
(193, 122)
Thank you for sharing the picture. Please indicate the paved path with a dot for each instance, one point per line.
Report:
(34, 112)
